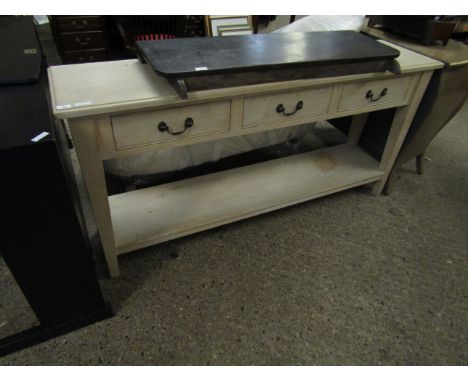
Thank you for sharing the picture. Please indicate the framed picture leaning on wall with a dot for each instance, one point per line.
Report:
(239, 22)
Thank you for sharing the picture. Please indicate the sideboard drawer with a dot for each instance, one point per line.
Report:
(145, 128)
(266, 109)
(370, 93)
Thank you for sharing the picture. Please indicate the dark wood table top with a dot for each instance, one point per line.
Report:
(192, 56)
(455, 53)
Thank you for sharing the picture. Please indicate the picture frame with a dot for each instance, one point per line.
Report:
(235, 31)
(213, 22)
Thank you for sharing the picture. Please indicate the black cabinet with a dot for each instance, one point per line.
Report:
(42, 234)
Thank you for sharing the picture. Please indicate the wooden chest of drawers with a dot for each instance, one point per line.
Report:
(80, 39)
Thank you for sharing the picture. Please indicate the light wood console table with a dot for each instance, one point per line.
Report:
(122, 107)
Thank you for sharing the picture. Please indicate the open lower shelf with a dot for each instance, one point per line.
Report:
(156, 214)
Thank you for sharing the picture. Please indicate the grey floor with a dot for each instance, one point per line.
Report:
(346, 279)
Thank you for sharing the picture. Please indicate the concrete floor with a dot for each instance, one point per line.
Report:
(342, 280)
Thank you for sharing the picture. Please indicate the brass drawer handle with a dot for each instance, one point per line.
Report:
(282, 110)
(370, 95)
(164, 127)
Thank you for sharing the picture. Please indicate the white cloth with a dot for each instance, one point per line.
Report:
(324, 23)
(177, 158)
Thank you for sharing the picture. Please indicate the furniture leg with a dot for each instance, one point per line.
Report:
(390, 182)
(400, 125)
(84, 138)
(420, 163)
(355, 130)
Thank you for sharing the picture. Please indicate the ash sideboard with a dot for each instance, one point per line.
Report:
(122, 107)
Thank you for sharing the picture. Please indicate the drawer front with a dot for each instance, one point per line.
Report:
(83, 40)
(78, 23)
(145, 128)
(81, 56)
(266, 109)
(371, 93)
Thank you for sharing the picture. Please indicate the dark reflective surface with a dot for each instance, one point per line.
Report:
(192, 56)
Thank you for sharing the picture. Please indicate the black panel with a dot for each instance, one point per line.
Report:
(180, 57)
(25, 114)
(42, 236)
(19, 50)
